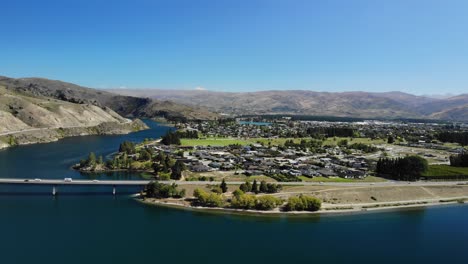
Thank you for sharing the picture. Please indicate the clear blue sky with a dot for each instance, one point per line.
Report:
(413, 46)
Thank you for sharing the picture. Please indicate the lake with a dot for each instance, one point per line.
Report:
(92, 226)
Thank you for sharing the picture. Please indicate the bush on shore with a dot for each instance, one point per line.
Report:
(303, 203)
(249, 202)
(207, 199)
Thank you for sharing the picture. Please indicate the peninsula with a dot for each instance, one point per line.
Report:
(295, 166)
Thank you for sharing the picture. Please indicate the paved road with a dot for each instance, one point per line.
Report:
(52, 128)
(144, 182)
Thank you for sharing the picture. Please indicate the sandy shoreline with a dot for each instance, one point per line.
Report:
(326, 210)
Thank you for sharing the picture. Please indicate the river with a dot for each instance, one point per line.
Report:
(83, 226)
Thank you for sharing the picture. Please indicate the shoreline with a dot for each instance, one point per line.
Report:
(356, 209)
(54, 134)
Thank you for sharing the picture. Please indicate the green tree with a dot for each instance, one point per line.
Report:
(177, 170)
(267, 202)
(223, 186)
(237, 193)
(91, 159)
(207, 199)
(255, 187)
(263, 187)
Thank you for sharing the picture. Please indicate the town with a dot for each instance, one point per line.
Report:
(286, 150)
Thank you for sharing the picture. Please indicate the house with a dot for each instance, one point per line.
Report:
(199, 168)
(326, 172)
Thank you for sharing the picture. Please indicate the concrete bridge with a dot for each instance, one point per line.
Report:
(55, 183)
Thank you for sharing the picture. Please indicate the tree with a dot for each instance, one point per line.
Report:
(145, 155)
(160, 190)
(177, 170)
(390, 139)
(409, 168)
(263, 187)
(343, 143)
(207, 199)
(237, 193)
(303, 203)
(245, 187)
(460, 160)
(223, 186)
(255, 187)
(91, 159)
(171, 138)
(127, 147)
(244, 201)
(267, 202)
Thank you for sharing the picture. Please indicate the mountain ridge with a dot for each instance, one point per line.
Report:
(129, 106)
(394, 104)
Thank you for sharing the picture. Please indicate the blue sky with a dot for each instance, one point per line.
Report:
(413, 46)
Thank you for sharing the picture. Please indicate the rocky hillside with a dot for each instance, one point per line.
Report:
(29, 119)
(350, 104)
(129, 106)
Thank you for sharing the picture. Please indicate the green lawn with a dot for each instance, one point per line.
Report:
(218, 141)
(445, 170)
(215, 142)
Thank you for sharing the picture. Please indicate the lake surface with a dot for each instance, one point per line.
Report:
(81, 226)
(254, 123)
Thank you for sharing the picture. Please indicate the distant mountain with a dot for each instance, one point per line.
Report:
(124, 105)
(300, 102)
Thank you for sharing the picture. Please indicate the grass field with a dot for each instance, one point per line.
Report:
(445, 170)
(274, 141)
(215, 142)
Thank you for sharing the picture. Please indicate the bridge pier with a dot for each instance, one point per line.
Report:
(113, 190)
(54, 190)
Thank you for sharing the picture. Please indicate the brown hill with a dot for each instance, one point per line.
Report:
(123, 105)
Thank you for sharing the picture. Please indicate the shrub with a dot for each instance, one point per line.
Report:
(267, 202)
(206, 199)
(244, 201)
(303, 203)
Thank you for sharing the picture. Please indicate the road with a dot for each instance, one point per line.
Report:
(51, 128)
(144, 182)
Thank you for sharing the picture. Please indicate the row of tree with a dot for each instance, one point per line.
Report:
(453, 137)
(171, 138)
(249, 201)
(331, 131)
(303, 203)
(188, 134)
(160, 190)
(91, 161)
(460, 160)
(264, 187)
(409, 168)
(127, 147)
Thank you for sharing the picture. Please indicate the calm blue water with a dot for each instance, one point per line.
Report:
(100, 228)
(254, 123)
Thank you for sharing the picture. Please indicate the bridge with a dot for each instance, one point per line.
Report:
(59, 182)
(55, 183)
